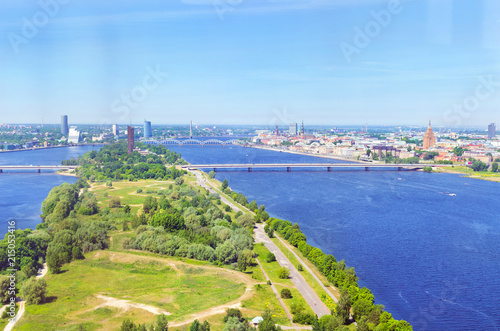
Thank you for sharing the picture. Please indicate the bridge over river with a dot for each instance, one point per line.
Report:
(307, 166)
(37, 168)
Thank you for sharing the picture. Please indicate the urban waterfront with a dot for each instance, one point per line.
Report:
(428, 256)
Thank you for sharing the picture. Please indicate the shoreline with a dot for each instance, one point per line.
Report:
(479, 176)
(48, 147)
(310, 154)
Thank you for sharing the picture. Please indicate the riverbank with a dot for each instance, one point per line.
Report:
(274, 149)
(468, 173)
(48, 147)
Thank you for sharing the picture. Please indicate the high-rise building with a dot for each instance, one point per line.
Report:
(115, 129)
(147, 129)
(191, 129)
(492, 131)
(130, 139)
(73, 135)
(429, 138)
(64, 125)
(292, 130)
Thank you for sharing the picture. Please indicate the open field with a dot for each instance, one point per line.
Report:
(467, 172)
(174, 288)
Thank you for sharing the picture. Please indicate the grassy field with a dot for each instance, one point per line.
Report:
(467, 172)
(176, 287)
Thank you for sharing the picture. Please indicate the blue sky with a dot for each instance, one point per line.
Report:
(251, 61)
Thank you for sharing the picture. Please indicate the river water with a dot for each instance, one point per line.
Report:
(22, 193)
(429, 257)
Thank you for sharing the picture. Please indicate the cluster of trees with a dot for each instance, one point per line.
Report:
(234, 321)
(361, 300)
(113, 163)
(193, 226)
(161, 324)
(481, 166)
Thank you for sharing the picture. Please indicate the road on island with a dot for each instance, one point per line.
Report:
(300, 283)
(260, 235)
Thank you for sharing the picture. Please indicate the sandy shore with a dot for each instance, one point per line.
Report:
(310, 154)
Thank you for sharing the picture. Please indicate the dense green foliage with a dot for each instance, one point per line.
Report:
(113, 163)
(34, 291)
(361, 300)
(191, 225)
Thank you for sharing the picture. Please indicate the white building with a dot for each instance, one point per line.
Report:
(74, 135)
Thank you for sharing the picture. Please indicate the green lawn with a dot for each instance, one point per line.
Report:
(270, 268)
(181, 289)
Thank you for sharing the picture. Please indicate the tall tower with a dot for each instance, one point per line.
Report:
(147, 129)
(130, 139)
(302, 131)
(191, 130)
(492, 131)
(64, 125)
(115, 129)
(429, 138)
(276, 132)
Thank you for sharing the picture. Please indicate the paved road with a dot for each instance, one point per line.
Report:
(310, 271)
(300, 283)
(203, 183)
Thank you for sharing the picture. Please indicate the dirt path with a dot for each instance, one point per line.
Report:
(41, 273)
(127, 305)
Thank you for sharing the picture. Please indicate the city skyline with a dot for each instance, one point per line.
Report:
(350, 62)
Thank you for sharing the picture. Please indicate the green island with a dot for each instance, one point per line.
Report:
(137, 244)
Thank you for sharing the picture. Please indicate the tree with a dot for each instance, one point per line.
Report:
(232, 312)
(126, 209)
(205, 326)
(286, 293)
(195, 326)
(245, 220)
(458, 151)
(494, 167)
(267, 323)
(245, 259)
(114, 202)
(149, 204)
(283, 273)
(4, 289)
(270, 257)
(224, 185)
(34, 291)
(212, 174)
(76, 252)
(161, 323)
(343, 307)
(479, 166)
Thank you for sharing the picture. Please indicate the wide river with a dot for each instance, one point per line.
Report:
(429, 257)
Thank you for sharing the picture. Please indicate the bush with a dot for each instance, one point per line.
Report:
(284, 273)
(299, 267)
(270, 257)
(286, 293)
(34, 291)
(304, 318)
(139, 190)
(114, 202)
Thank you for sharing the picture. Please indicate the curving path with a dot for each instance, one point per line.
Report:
(22, 305)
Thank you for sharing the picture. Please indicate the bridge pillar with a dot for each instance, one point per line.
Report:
(1, 171)
(249, 169)
(400, 168)
(328, 168)
(39, 170)
(215, 169)
(288, 169)
(367, 168)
